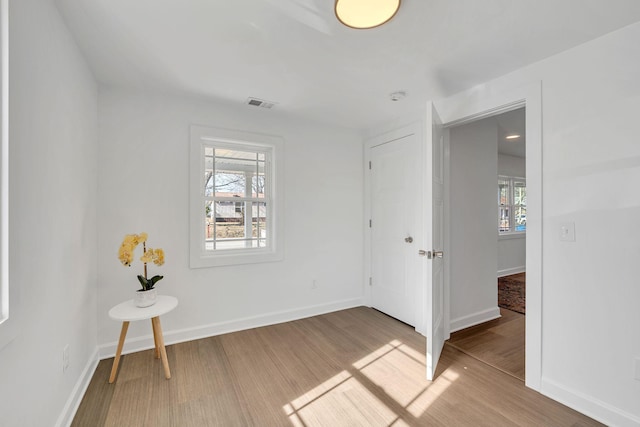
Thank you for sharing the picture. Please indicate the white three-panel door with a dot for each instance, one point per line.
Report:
(395, 207)
(407, 230)
(434, 239)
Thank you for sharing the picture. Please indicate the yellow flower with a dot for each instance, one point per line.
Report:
(147, 256)
(153, 255)
(159, 257)
(130, 240)
(125, 254)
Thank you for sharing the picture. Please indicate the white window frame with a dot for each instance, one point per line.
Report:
(511, 205)
(201, 137)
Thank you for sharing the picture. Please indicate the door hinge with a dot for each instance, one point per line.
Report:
(370, 281)
(369, 223)
(369, 164)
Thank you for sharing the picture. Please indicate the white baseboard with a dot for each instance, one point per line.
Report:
(510, 271)
(73, 402)
(173, 337)
(474, 319)
(588, 405)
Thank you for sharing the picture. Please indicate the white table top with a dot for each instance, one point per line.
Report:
(127, 311)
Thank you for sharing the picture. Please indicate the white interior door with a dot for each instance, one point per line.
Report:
(434, 239)
(395, 207)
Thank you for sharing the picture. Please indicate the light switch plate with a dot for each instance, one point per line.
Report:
(567, 232)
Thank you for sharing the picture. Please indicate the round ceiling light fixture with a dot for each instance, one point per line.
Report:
(362, 14)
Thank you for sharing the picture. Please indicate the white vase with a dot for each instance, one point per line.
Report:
(145, 298)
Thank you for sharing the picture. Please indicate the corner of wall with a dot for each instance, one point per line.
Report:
(73, 402)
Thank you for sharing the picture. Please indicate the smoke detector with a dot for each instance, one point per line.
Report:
(260, 103)
(397, 96)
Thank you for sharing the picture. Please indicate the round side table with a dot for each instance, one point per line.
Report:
(127, 312)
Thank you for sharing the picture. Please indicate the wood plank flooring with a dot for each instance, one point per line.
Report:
(354, 367)
(499, 342)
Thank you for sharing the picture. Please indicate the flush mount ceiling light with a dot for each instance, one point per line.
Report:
(514, 136)
(397, 96)
(363, 14)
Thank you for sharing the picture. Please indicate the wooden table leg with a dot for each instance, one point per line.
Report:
(116, 361)
(163, 351)
(155, 339)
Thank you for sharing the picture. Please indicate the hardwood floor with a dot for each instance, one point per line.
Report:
(500, 342)
(354, 367)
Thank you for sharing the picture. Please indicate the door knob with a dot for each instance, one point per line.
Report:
(408, 239)
(436, 254)
(431, 254)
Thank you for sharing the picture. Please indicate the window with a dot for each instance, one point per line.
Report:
(512, 205)
(235, 197)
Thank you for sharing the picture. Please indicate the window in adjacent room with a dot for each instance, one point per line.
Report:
(512, 205)
(234, 197)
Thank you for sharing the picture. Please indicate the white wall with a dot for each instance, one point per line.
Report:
(512, 252)
(143, 186)
(472, 223)
(511, 166)
(590, 173)
(53, 249)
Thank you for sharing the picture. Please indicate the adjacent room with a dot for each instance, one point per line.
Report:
(488, 172)
(285, 212)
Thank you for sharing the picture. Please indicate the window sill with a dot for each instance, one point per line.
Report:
(512, 235)
(234, 258)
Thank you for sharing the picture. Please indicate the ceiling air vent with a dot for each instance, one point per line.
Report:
(260, 103)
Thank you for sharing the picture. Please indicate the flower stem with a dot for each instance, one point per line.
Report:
(144, 249)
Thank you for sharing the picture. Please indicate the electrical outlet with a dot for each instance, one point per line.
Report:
(65, 358)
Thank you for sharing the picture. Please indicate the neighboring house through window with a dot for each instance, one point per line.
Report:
(234, 197)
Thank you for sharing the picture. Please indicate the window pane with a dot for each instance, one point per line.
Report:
(519, 193)
(232, 154)
(258, 183)
(232, 170)
(503, 192)
(229, 184)
(226, 227)
(503, 213)
(208, 172)
(259, 231)
(520, 218)
(226, 213)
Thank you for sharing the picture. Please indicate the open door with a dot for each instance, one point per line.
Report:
(434, 238)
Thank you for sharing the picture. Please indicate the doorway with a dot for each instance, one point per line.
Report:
(487, 201)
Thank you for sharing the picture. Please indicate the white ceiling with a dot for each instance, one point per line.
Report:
(295, 53)
(512, 123)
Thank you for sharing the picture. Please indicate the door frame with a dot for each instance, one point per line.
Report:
(467, 107)
(414, 128)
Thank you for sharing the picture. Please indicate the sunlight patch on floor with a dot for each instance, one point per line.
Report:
(349, 398)
(420, 405)
(342, 400)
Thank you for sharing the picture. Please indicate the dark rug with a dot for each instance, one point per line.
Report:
(511, 292)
